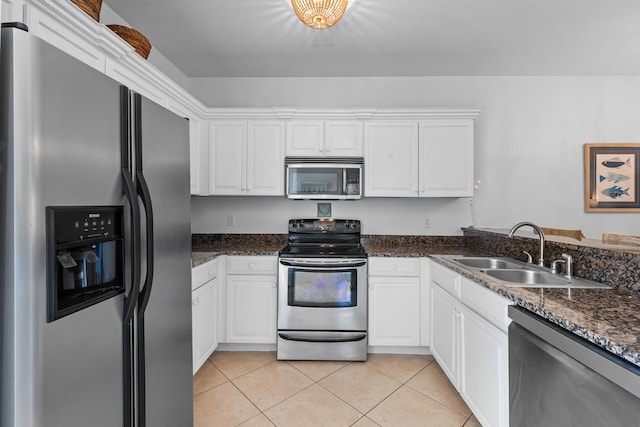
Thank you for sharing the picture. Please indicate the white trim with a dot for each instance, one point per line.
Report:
(341, 113)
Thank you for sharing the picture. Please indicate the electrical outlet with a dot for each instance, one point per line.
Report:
(427, 223)
(231, 220)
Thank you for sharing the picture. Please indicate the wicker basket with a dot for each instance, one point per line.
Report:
(90, 7)
(139, 42)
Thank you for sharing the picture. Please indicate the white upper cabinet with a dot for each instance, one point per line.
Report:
(196, 130)
(319, 138)
(430, 158)
(446, 158)
(246, 158)
(391, 159)
(227, 146)
(343, 139)
(265, 158)
(305, 138)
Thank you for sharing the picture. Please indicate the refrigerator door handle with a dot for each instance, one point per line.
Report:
(145, 196)
(145, 292)
(129, 189)
(131, 299)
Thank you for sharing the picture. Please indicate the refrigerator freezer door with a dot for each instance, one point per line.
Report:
(167, 318)
(59, 146)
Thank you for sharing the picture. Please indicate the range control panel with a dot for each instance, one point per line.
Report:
(324, 226)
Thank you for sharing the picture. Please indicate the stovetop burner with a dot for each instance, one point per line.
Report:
(314, 238)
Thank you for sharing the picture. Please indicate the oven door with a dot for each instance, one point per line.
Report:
(328, 294)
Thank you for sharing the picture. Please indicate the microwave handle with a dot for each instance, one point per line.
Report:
(344, 181)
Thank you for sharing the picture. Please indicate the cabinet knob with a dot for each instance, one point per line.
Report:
(251, 266)
(394, 267)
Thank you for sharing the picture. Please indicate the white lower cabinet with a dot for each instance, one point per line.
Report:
(204, 312)
(444, 332)
(484, 368)
(251, 294)
(394, 301)
(470, 343)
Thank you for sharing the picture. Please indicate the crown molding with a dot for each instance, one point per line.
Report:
(288, 113)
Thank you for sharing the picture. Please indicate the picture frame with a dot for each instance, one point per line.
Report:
(612, 177)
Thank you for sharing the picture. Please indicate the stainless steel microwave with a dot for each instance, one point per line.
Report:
(338, 178)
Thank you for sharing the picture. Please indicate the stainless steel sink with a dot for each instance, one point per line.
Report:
(529, 278)
(489, 263)
(514, 273)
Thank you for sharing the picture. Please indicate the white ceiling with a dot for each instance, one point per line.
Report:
(264, 38)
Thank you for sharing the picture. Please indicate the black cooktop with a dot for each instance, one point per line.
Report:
(315, 238)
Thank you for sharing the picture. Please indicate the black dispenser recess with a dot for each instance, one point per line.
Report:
(85, 257)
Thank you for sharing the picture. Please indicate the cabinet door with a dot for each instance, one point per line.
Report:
(394, 311)
(265, 159)
(204, 305)
(484, 369)
(251, 309)
(391, 159)
(305, 138)
(343, 138)
(444, 332)
(195, 156)
(446, 158)
(425, 305)
(227, 145)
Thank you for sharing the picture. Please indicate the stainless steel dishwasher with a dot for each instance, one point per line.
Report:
(559, 379)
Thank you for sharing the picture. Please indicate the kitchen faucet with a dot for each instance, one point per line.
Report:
(540, 233)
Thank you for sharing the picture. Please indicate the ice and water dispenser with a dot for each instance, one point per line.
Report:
(85, 257)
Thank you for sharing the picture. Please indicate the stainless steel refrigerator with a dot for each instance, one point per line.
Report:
(95, 299)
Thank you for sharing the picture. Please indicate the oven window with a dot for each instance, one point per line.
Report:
(323, 288)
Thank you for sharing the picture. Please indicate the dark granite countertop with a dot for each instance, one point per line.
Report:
(203, 253)
(412, 250)
(205, 247)
(607, 318)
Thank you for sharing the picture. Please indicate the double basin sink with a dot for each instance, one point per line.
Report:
(514, 273)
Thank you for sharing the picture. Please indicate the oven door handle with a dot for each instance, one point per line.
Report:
(333, 263)
(307, 338)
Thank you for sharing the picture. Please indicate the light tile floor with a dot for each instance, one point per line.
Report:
(253, 389)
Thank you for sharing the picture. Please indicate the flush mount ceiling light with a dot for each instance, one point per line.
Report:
(319, 14)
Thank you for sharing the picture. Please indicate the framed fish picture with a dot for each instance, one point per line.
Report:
(612, 177)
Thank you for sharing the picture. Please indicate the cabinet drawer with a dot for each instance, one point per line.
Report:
(204, 273)
(447, 279)
(252, 265)
(391, 266)
(485, 302)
